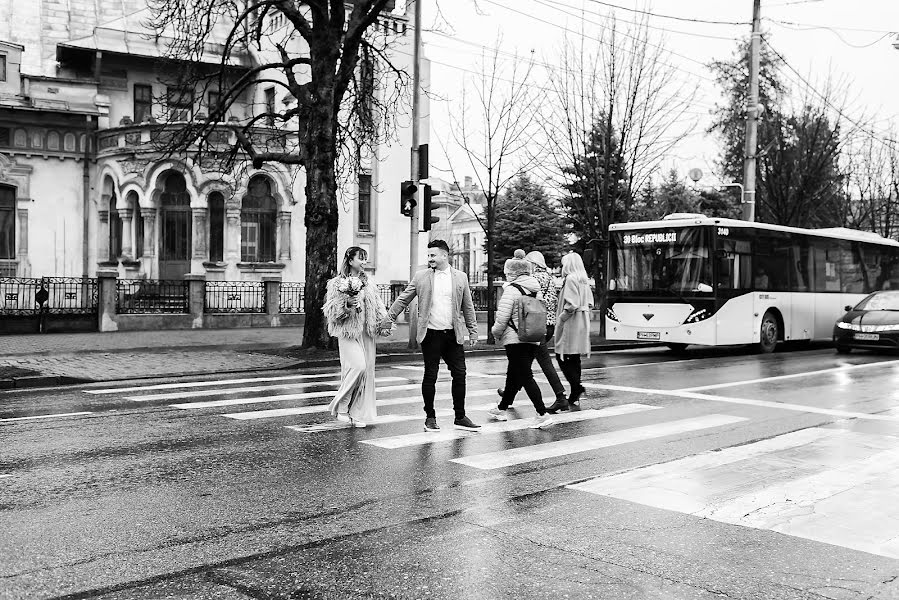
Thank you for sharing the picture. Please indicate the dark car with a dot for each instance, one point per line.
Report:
(873, 324)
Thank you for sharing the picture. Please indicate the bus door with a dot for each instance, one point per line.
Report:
(734, 288)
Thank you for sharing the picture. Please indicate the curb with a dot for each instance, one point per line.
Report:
(42, 381)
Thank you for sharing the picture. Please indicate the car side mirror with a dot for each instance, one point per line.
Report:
(847, 308)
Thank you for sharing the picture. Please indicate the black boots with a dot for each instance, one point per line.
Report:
(561, 403)
(576, 394)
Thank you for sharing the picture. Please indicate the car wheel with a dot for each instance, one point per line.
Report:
(843, 349)
(677, 347)
(769, 333)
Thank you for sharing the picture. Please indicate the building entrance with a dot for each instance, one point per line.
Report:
(175, 228)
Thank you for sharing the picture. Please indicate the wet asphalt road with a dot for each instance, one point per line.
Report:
(713, 474)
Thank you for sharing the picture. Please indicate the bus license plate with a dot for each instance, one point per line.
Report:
(648, 335)
(867, 337)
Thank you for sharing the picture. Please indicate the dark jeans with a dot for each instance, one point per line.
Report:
(571, 368)
(519, 375)
(546, 363)
(441, 344)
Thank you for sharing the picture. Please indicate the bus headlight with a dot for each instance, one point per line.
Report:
(611, 315)
(700, 314)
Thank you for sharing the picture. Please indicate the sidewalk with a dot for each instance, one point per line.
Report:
(56, 359)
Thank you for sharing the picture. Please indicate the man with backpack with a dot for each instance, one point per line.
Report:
(520, 327)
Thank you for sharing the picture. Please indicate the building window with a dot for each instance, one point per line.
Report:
(216, 227)
(258, 222)
(7, 222)
(364, 202)
(115, 229)
(137, 223)
(213, 100)
(143, 102)
(2, 67)
(270, 106)
(180, 102)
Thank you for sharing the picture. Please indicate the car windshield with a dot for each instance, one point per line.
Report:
(672, 260)
(880, 301)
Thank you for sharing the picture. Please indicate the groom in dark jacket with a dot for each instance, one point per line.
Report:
(445, 312)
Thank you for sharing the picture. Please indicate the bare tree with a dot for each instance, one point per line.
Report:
(493, 129)
(342, 92)
(872, 186)
(615, 111)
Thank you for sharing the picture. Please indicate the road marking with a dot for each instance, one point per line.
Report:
(383, 420)
(844, 414)
(5, 475)
(282, 397)
(72, 414)
(323, 408)
(424, 438)
(829, 485)
(648, 364)
(243, 390)
(420, 369)
(193, 384)
(525, 454)
(792, 376)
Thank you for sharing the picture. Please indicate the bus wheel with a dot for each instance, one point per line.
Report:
(677, 347)
(769, 333)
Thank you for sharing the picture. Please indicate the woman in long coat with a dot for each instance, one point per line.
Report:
(572, 337)
(354, 316)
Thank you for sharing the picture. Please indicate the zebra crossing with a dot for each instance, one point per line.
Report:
(830, 483)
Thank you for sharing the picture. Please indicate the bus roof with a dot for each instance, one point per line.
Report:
(841, 233)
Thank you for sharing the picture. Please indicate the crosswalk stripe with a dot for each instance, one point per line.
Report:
(50, 416)
(323, 408)
(516, 456)
(385, 419)
(423, 438)
(830, 485)
(281, 398)
(421, 369)
(193, 384)
(243, 390)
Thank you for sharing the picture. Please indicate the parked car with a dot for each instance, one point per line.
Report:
(873, 323)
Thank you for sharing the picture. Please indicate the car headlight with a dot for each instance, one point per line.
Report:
(891, 327)
(845, 325)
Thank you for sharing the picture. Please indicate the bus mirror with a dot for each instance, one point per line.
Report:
(847, 308)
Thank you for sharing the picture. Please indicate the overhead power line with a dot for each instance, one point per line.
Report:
(672, 17)
(833, 31)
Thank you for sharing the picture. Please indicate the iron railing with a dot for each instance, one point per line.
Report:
(292, 298)
(234, 297)
(51, 295)
(149, 296)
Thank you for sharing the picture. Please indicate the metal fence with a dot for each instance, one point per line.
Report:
(292, 297)
(148, 296)
(50, 295)
(234, 297)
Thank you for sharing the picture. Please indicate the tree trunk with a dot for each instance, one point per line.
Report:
(491, 295)
(321, 223)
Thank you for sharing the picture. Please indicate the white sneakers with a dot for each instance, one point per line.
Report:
(541, 421)
(497, 414)
(346, 418)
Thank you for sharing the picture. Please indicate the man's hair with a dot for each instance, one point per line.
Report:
(439, 244)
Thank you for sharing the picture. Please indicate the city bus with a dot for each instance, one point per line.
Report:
(694, 279)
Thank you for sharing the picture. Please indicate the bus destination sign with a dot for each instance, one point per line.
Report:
(648, 239)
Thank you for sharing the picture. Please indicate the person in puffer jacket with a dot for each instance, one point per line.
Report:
(520, 354)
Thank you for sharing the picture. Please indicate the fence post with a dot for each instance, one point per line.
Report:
(196, 297)
(106, 305)
(272, 285)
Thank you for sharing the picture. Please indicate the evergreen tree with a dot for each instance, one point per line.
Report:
(526, 219)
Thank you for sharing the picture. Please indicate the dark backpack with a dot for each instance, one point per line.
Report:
(531, 317)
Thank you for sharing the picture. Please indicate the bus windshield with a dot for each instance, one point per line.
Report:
(673, 260)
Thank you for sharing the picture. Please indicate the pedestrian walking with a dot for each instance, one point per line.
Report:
(354, 312)
(511, 329)
(572, 335)
(445, 311)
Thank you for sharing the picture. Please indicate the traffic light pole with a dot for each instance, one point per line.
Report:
(416, 87)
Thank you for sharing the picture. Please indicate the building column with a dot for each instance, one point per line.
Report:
(149, 215)
(127, 214)
(103, 237)
(284, 236)
(200, 234)
(232, 235)
(24, 265)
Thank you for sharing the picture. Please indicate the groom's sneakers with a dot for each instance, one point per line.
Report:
(465, 423)
(431, 424)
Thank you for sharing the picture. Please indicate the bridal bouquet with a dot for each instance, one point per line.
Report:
(351, 286)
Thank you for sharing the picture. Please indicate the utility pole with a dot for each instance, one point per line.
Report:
(415, 171)
(753, 110)
(416, 90)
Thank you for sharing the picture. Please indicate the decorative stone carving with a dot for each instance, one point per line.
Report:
(200, 233)
(134, 166)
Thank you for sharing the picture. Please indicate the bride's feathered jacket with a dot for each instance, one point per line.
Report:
(349, 323)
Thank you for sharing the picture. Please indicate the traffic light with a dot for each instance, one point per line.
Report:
(426, 207)
(407, 198)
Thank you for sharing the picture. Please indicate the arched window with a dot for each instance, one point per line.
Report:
(138, 223)
(216, 204)
(7, 222)
(258, 222)
(115, 229)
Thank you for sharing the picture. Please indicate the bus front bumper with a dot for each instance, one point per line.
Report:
(701, 332)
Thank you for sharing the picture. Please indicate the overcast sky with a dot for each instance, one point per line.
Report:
(848, 38)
